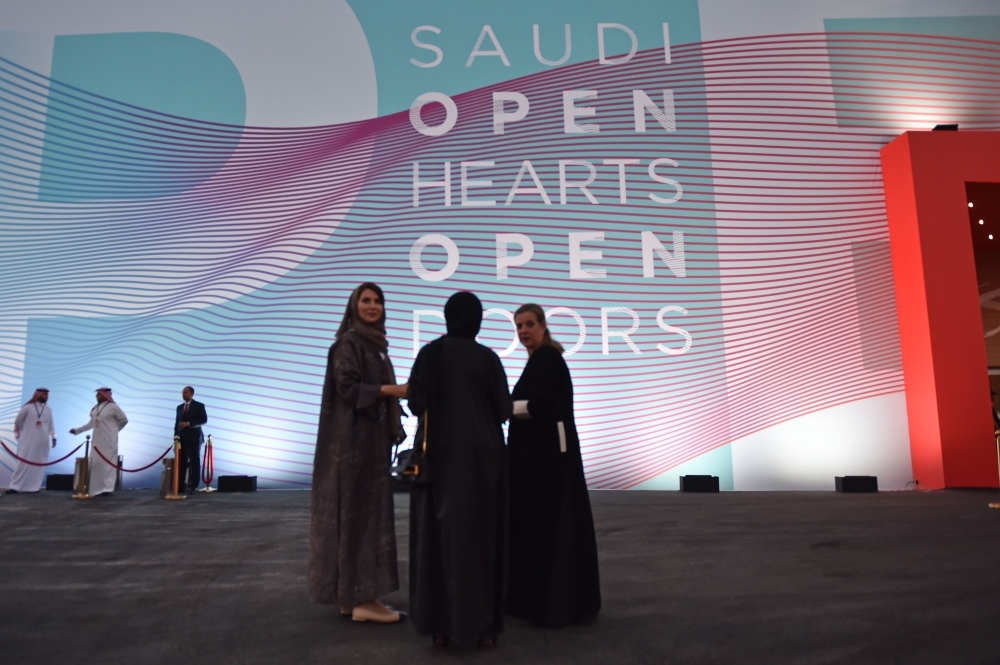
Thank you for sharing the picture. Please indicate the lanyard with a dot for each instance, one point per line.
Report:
(100, 407)
(39, 412)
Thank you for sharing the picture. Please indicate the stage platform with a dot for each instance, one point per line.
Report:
(735, 577)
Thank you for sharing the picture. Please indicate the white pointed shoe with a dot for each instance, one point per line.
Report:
(382, 615)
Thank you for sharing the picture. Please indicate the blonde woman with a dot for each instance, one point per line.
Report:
(554, 577)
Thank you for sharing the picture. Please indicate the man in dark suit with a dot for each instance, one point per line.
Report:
(191, 415)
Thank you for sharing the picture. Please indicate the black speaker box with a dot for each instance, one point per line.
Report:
(237, 483)
(59, 481)
(699, 483)
(855, 484)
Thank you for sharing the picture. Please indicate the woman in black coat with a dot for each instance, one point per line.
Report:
(458, 522)
(553, 551)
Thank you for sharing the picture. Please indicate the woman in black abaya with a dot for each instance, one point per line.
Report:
(553, 551)
(353, 535)
(458, 522)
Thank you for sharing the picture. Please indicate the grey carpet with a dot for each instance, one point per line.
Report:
(729, 578)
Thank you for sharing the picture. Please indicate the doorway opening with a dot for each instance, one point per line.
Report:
(984, 224)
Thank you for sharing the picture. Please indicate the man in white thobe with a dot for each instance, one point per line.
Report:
(106, 419)
(35, 434)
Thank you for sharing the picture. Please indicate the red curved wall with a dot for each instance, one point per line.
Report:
(940, 325)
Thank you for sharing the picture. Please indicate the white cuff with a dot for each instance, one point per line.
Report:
(521, 409)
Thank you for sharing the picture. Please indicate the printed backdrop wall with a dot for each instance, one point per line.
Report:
(189, 190)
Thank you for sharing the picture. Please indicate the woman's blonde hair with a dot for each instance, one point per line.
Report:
(540, 317)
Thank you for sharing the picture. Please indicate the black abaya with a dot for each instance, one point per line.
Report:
(553, 551)
(458, 523)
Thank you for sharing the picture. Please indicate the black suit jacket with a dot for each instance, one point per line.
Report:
(196, 417)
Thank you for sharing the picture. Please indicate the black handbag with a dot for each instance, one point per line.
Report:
(417, 468)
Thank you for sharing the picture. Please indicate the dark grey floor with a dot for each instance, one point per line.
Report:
(728, 578)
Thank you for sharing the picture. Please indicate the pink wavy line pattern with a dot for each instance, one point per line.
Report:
(789, 289)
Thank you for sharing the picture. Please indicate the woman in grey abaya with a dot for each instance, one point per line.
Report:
(458, 522)
(352, 536)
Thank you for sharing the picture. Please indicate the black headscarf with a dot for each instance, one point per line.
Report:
(463, 314)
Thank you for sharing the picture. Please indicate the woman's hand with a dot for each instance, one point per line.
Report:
(399, 392)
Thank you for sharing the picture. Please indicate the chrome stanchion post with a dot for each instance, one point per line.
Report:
(210, 460)
(85, 490)
(174, 486)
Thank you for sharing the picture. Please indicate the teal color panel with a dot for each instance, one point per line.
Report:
(461, 23)
(96, 149)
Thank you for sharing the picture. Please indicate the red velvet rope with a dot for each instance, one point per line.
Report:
(208, 466)
(132, 470)
(21, 459)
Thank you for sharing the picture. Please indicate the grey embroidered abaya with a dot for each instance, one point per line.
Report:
(353, 538)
